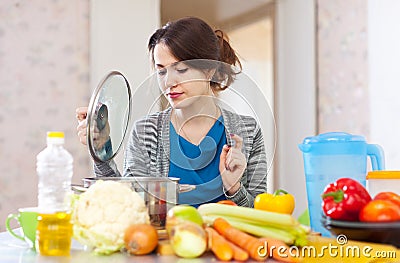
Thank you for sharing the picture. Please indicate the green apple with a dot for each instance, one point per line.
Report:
(180, 213)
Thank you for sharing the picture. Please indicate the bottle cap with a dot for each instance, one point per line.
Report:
(55, 134)
(55, 137)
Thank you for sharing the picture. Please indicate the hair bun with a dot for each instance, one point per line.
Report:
(227, 53)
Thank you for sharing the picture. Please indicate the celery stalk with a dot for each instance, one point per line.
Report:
(252, 215)
(256, 230)
(258, 222)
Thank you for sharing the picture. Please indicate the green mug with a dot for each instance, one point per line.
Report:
(27, 219)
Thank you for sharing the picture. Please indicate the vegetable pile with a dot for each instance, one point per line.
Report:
(111, 217)
(257, 222)
(102, 214)
(348, 200)
(233, 232)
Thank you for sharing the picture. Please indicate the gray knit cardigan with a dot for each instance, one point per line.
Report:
(148, 150)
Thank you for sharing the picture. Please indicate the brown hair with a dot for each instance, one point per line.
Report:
(191, 38)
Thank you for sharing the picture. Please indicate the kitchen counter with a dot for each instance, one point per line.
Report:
(13, 250)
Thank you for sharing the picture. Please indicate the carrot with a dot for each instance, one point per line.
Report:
(238, 253)
(279, 250)
(219, 245)
(245, 241)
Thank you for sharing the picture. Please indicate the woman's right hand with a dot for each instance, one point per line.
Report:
(81, 114)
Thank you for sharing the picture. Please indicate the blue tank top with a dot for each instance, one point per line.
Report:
(198, 165)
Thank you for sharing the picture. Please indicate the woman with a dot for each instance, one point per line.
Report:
(219, 151)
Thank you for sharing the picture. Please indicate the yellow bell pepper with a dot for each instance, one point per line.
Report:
(280, 202)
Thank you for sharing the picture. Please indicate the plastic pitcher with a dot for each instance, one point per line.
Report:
(330, 156)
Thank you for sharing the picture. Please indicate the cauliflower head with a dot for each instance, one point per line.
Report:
(101, 215)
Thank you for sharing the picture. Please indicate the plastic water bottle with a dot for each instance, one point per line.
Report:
(54, 168)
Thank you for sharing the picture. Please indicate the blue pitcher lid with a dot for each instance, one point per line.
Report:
(334, 137)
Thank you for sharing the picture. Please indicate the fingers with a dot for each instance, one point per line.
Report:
(231, 157)
(223, 157)
(81, 128)
(233, 164)
(81, 113)
(82, 136)
(81, 125)
(81, 110)
(234, 158)
(238, 141)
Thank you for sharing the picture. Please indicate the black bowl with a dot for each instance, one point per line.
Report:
(379, 232)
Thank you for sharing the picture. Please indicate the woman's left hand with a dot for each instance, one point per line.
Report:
(232, 165)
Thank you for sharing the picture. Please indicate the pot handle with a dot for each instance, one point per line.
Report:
(183, 188)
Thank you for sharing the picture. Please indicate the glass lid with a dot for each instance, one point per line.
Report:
(108, 116)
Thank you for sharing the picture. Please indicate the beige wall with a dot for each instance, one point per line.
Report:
(44, 76)
(52, 56)
(119, 33)
(254, 44)
(343, 95)
(384, 71)
(295, 100)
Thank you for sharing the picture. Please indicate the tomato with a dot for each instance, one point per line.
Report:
(280, 202)
(227, 202)
(140, 239)
(393, 197)
(380, 211)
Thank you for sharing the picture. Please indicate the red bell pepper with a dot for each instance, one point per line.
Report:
(344, 199)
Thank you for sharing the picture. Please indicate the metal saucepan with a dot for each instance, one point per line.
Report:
(159, 193)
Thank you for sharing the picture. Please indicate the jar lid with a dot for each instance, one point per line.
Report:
(383, 175)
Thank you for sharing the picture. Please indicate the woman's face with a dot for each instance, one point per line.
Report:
(182, 85)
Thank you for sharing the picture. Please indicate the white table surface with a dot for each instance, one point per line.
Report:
(14, 250)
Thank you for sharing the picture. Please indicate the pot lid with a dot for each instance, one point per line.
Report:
(108, 116)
